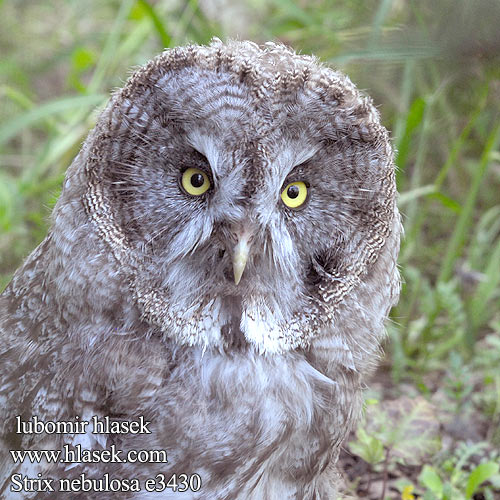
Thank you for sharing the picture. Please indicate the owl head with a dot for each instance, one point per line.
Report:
(245, 196)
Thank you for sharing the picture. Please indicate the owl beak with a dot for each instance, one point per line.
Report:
(240, 255)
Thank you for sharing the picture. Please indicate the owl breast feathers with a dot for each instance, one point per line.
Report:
(220, 264)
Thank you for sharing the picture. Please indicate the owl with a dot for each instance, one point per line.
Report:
(213, 287)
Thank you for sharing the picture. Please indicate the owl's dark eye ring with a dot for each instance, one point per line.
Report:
(195, 182)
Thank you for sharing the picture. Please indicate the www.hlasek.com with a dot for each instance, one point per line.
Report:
(79, 455)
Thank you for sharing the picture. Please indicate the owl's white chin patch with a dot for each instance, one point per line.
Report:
(195, 325)
(269, 336)
(256, 332)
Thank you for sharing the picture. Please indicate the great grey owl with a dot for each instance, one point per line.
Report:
(218, 271)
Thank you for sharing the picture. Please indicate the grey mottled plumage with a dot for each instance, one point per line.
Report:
(129, 306)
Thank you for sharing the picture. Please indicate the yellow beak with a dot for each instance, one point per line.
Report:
(240, 256)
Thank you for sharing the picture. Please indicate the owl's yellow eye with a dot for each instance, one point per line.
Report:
(195, 181)
(295, 194)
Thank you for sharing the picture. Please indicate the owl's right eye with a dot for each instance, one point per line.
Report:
(195, 182)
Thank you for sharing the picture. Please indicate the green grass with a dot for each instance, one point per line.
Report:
(433, 70)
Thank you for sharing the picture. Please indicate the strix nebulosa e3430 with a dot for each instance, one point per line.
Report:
(220, 264)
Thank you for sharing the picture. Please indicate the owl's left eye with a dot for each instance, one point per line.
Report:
(295, 194)
(195, 182)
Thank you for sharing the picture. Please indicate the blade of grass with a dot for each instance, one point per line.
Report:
(64, 146)
(409, 196)
(106, 61)
(165, 38)
(44, 111)
(380, 16)
(196, 26)
(393, 54)
(135, 39)
(485, 291)
(26, 103)
(461, 141)
(294, 11)
(456, 149)
(414, 118)
(416, 176)
(401, 120)
(487, 231)
(463, 224)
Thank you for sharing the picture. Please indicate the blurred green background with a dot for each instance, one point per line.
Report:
(433, 69)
